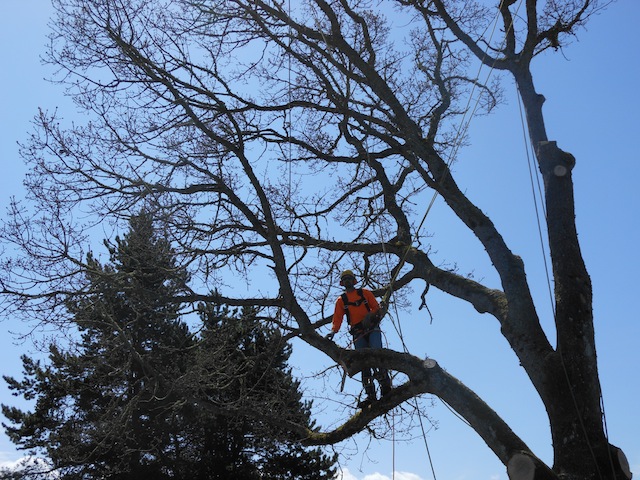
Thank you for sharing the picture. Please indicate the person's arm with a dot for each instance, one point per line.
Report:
(338, 315)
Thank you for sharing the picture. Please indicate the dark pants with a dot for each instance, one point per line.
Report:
(371, 339)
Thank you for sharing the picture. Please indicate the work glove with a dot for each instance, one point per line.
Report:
(330, 335)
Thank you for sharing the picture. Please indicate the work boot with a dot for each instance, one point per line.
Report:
(385, 382)
(385, 387)
(370, 392)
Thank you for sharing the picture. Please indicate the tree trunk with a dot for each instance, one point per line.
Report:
(571, 390)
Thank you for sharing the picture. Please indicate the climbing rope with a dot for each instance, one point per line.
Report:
(463, 127)
(530, 163)
(539, 199)
(457, 142)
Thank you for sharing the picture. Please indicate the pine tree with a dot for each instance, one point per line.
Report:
(140, 396)
(255, 395)
(107, 409)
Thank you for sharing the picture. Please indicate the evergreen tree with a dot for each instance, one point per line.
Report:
(141, 397)
(254, 396)
(107, 409)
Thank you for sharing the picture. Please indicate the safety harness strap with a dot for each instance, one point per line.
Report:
(357, 303)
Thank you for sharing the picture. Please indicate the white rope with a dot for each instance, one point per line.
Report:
(530, 164)
(539, 199)
(462, 129)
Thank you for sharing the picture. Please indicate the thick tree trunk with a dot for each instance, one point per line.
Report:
(571, 392)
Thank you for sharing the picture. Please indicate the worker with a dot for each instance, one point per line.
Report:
(362, 310)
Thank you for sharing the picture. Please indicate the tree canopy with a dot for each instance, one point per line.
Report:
(287, 142)
(140, 396)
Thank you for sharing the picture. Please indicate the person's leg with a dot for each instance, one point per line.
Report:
(374, 338)
(360, 342)
(382, 375)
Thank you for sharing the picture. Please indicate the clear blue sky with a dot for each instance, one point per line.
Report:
(591, 111)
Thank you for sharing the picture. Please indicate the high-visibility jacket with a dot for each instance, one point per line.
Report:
(360, 302)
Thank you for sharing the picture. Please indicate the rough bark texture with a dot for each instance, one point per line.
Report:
(224, 118)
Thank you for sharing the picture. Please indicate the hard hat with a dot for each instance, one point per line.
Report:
(347, 273)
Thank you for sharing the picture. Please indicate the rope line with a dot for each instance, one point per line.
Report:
(539, 199)
(457, 142)
(415, 400)
(424, 437)
(289, 127)
(530, 164)
(463, 127)
(393, 446)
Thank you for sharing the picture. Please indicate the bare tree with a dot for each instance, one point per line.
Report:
(289, 139)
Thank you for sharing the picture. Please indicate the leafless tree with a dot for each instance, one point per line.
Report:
(286, 140)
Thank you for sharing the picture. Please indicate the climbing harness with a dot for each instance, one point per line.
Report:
(357, 303)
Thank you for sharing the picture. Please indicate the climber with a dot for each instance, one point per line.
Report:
(363, 316)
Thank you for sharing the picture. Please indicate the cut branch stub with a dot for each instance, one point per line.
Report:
(524, 466)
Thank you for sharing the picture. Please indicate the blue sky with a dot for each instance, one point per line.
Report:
(591, 111)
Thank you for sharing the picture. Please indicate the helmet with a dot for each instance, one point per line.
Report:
(346, 274)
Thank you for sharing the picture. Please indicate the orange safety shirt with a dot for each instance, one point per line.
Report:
(356, 313)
